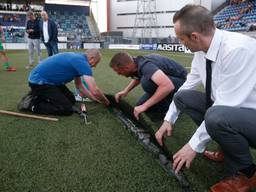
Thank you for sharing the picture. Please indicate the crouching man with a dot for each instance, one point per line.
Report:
(49, 94)
(159, 76)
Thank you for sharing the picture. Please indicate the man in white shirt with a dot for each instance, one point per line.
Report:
(45, 31)
(231, 85)
(49, 34)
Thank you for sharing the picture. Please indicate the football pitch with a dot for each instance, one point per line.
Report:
(103, 156)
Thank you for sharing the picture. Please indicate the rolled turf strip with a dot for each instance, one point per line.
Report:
(145, 135)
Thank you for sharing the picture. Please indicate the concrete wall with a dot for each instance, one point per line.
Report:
(126, 22)
(24, 46)
(217, 3)
(210, 4)
(164, 19)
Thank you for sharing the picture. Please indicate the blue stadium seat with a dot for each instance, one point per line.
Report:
(234, 10)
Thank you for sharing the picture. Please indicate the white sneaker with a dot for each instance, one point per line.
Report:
(78, 98)
(82, 99)
(29, 66)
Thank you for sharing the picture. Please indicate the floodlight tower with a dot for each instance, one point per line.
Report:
(145, 24)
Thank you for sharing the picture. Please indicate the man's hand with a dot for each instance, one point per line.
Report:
(119, 95)
(184, 156)
(138, 110)
(30, 30)
(165, 129)
(107, 102)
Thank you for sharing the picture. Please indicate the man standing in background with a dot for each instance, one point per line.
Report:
(33, 31)
(49, 34)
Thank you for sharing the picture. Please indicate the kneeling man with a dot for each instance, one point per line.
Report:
(49, 94)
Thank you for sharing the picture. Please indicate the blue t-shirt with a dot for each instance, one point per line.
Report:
(60, 69)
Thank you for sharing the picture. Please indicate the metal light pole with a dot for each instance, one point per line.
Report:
(145, 24)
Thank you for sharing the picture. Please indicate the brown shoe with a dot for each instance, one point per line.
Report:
(235, 183)
(216, 156)
(253, 181)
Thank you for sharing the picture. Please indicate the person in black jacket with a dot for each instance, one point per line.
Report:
(49, 34)
(33, 31)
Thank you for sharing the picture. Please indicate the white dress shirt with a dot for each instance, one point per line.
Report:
(233, 57)
(45, 31)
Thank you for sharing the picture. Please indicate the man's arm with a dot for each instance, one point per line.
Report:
(41, 29)
(83, 88)
(164, 88)
(27, 27)
(93, 91)
(54, 31)
(127, 89)
(237, 82)
(193, 80)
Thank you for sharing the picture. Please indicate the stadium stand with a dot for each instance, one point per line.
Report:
(24, 7)
(238, 16)
(14, 26)
(13, 19)
(72, 21)
(14, 35)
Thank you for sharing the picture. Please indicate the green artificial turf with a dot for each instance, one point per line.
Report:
(103, 156)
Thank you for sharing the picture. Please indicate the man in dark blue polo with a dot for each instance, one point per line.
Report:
(159, 76)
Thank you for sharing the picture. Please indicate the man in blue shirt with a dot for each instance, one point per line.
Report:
(159, 76)
(49, 95)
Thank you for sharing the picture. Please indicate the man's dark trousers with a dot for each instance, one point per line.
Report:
(50, 99)
(52, 48)
(233, 128)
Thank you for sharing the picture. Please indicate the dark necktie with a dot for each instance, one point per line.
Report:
(208, 85)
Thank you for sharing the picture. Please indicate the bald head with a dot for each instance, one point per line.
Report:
(44, 15)
(93, 56)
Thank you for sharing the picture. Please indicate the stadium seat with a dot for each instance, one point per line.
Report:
(234, 10)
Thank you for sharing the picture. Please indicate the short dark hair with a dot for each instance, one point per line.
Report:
(120, 59)
(194, 18)
(30, 13)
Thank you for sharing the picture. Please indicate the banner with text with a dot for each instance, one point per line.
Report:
(172, 48)
(148, 46)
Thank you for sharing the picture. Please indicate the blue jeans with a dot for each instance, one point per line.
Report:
(52, 48)
(150, 88)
